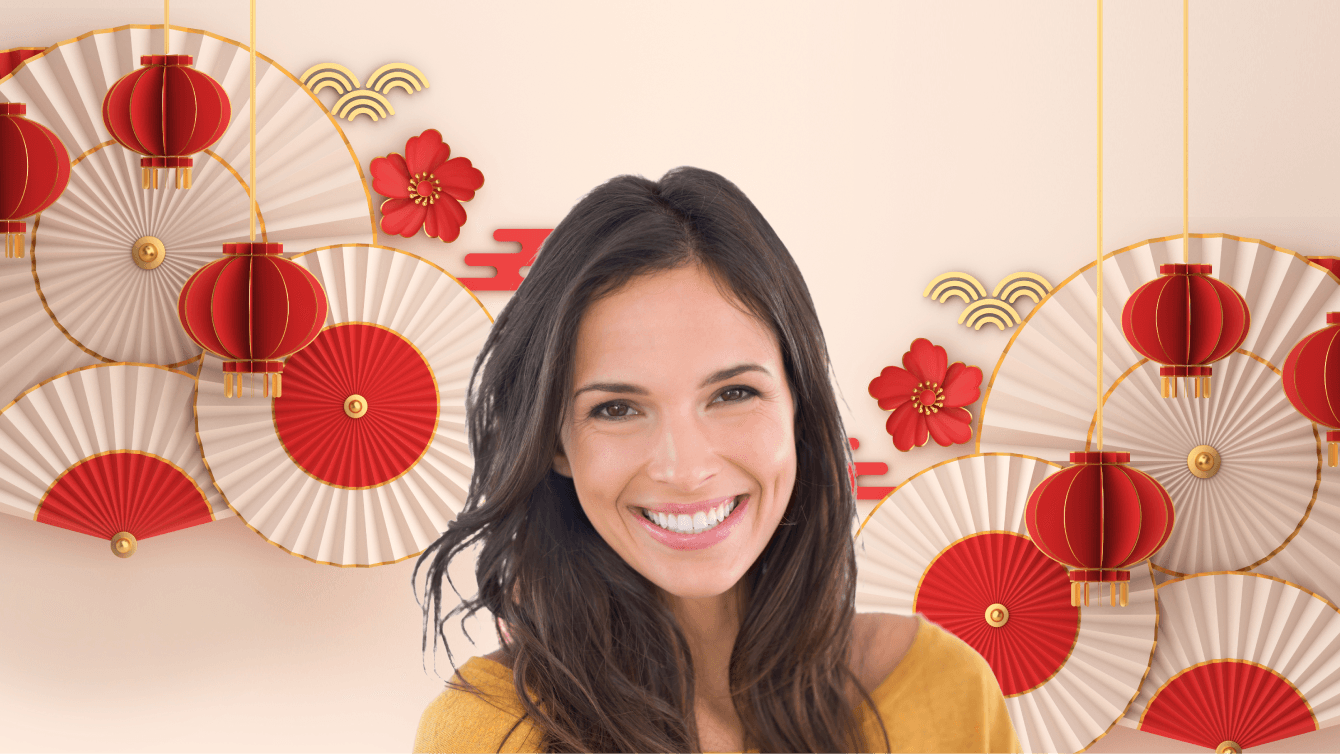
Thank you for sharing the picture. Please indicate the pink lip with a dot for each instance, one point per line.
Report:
(700, 540)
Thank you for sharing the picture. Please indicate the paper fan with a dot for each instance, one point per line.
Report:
(363, 459)
(951, 543)
(1261, 455)
(1243, 658)
(310, 192)
(107, 449)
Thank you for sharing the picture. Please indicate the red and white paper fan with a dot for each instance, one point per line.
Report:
(84, 281)
(1263, 453)
(363, 459)
(107, 449)
(1242, 658)
(951, 543)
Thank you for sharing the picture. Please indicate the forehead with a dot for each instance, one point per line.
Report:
(668, 324)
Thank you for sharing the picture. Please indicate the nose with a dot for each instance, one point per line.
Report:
(682, 453)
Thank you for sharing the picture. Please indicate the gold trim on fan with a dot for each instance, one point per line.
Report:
(454, 279)
(96, 366)
(363, 179)
(904, 483)
(1141, 724)
(85, 459)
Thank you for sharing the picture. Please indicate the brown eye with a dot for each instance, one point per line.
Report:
(736, 394)
(616, 410)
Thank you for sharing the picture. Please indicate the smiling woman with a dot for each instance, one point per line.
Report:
(660, 486)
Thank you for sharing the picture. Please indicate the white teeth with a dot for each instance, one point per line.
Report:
(686, 524)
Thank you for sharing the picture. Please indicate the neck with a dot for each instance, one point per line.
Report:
(710, 625)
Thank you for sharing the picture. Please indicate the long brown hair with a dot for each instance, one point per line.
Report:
(606, 661)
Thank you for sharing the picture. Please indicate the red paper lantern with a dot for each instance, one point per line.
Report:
(252, 308)
(1312, 379)
(1099, 517)
(34, 170)
(166, 111)
(1186, 320)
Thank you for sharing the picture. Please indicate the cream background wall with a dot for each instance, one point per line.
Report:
(886, 142)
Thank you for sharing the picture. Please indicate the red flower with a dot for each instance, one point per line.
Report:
(927, 396)
(425, 187)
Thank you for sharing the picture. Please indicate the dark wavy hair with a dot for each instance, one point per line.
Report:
(606, 661)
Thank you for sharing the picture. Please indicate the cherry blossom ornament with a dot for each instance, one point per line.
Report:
(425, 188)
(927, 395)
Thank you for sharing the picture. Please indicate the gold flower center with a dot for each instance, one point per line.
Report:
(424, 188)
(929, 398)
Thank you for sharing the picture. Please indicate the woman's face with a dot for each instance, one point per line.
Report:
(680, 404)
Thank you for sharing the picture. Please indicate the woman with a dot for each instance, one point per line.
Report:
(660, 485)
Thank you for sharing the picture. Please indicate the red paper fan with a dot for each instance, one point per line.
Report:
(125, 491)
(1005, 569)
(1228, 700)
(359, 407)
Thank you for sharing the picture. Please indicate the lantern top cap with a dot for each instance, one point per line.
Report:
(1083, 457)
(13, 108)
(167, 60)
(253, 249)
(1332, 318)
(1185, 269)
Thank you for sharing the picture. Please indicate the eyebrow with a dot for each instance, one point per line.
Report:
(720, 375)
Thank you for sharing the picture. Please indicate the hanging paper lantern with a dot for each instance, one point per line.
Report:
(1099, 517)
(252, 308)
(1312, 380)
(166, 111)
(34, 168)
(1186, 320)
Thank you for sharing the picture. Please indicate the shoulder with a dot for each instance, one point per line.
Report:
(942, 696)
(459, 719)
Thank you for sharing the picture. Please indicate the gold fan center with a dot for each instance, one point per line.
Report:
(148, 252)
(355, 406)
(1203, 461)
(997, 615)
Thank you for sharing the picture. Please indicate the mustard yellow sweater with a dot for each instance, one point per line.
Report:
(941, 697)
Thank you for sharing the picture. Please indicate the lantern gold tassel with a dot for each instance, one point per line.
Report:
(1125, 594)
(278, 388)
(149, 178)
(1205, 387)
(183, 178)
(13, 245)
(1074, 593)
(1334, 460)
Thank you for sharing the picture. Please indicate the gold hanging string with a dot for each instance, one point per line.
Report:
(165, 26)
(1100, 228)
(1186, 141)
(253, 121)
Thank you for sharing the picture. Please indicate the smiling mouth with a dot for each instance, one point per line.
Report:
(692, 524)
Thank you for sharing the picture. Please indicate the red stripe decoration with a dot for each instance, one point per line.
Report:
(126, 491)
(1228, 700)
(1006, 568)
(401, 402)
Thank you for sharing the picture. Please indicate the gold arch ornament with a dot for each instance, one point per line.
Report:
(355, 100)
(343, 526)
(1040, 401)
(998, 308)
(976, 494)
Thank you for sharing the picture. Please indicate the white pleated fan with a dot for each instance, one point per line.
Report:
(363, 459)
(951, 543)
(1241, 657)
(91, 416)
